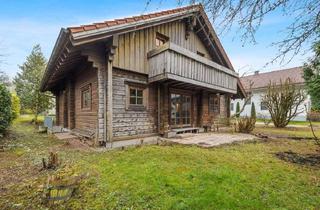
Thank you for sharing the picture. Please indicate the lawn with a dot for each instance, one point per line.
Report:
(289, 131)
(238, 176)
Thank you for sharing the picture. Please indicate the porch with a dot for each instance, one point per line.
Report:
(193, 91)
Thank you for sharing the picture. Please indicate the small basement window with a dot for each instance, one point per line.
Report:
(161, 39)
(136, 96)
(86, 97)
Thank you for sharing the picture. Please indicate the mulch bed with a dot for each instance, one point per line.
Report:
(301, 159)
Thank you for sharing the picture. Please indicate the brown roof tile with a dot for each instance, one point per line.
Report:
(262, 80)
(110, 23)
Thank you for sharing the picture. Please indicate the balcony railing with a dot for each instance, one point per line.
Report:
(171, 61)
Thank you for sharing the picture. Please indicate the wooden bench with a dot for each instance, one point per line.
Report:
(186, 130)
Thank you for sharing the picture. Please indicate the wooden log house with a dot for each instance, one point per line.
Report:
(140, 76)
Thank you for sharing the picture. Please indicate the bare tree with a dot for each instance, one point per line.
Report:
(247, 16)
(283, 102)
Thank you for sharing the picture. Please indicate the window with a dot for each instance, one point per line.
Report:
(200, 53)
(231, 107)
(214, 103)
(161, 39)
(180, 110)
(263, 106)
(136, 96)
(86, 97)
(248, 102)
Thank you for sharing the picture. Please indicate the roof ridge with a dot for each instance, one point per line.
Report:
(270, 72)
(129, 19)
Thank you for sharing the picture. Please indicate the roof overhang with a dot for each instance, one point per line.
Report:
(66, 53)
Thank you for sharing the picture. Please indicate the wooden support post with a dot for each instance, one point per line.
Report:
(71, 104)
(57, 108)
(109, 92)
(159, 108)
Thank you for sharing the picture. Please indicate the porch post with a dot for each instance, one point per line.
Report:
(71, 104)
(57, 107)
(109, 94)
(65, 107)
(165, 109)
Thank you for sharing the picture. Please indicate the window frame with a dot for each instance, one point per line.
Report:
(213, 107)
(261, 105)
(135, 97)
(86, 88)
(232, 106)
(161, 38)
(144, 89)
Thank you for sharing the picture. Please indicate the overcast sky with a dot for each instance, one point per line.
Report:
(26, 23)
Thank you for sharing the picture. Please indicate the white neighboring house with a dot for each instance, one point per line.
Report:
(259, 87)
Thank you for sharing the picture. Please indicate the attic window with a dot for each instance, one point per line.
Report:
(200, 53)
(161, 39)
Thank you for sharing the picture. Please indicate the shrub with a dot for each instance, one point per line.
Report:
(253, 111)
(313, 116)
(15, 105)
(245, 124)
(5, 108)
(238, 109)
(283, 102)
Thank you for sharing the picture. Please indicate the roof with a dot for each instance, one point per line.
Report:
(262, 80)
(67, 49)
(109, 23)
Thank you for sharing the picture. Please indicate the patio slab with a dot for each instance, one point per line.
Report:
(212, 139)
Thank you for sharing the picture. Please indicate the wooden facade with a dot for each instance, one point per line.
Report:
(143, 78)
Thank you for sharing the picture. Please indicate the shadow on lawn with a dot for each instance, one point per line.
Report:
(301, 159)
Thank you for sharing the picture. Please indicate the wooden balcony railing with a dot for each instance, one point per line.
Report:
(171, 61)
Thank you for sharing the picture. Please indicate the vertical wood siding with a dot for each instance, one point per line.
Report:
(133, 47)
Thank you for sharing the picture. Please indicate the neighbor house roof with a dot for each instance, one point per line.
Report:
(262, 80)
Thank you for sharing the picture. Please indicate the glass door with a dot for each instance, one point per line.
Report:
(180, 110)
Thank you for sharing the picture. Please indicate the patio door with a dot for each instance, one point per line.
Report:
(180, 110)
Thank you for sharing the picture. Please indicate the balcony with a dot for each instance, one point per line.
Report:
(172, 62)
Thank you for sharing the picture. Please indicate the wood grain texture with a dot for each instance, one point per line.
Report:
(133, 47)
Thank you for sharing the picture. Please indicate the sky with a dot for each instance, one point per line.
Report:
(24, 24)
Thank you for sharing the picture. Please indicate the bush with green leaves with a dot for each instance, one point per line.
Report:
(253, 111)
(15, 106)
(245, 124)
(5, 108)
(238, 109)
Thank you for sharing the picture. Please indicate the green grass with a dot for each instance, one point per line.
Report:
(300, 132)
(239, 176)
(302, 123)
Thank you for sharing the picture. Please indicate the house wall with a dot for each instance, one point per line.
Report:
(86, 119)
(128, 122)
(256, 99)
(131, 53)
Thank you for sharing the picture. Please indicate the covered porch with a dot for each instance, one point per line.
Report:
(193, 91)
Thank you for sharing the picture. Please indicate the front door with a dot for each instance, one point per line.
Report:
(180, 110)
